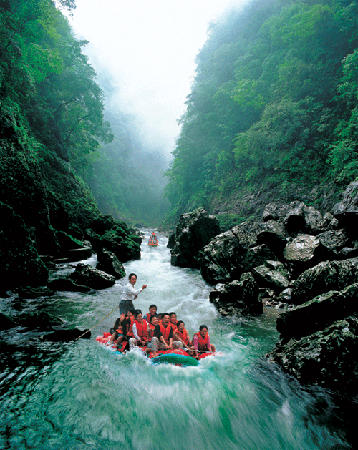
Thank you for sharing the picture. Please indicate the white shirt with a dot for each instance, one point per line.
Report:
(129, 293)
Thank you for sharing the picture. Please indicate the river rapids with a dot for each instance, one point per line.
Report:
(80, 395)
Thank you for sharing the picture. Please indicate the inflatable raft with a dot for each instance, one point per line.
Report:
(153, 240)
(179, 357)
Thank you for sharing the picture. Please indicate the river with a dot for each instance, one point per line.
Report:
(82, 396)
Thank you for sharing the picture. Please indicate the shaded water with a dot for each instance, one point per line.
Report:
(83, 396)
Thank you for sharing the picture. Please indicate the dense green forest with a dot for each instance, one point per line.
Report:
(273, 105)
(51, 100)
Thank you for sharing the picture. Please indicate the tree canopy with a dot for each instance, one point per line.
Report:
(274, 100)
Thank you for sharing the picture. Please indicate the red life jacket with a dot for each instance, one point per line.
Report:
(202, 343)
(183, 336)
(165, 331)
(142, 329)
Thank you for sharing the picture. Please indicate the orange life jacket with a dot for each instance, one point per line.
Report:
(184, 336)
(165, 331)
(202, 343)
(142, 329)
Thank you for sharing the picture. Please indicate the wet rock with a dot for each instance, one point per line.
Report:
(334, 240)
(329, 222)
(272, 275)
(296, 217)
(66, 284)
(257, 256)
(109, 263)
(102, 223)
(305, 251)
(6, 322)
(171, 241)
(324, 277)
(313, 220)
(67, 335)
(348, 253)
(223, 259)
(240, 295)
(94, 278)
(272, 211)
(346, 211)
(275, 236)
(124, 245)
(318, 313)
(326, 358)
(285, 295)
(115, 236)
(193, 232)
(20, 263)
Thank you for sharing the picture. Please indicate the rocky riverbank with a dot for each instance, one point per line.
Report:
(297, 259)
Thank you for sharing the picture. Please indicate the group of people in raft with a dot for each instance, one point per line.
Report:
(154, 332)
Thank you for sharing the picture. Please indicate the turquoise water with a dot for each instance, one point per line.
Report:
(83, 396)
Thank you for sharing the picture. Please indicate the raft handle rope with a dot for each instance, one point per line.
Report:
(79, 337)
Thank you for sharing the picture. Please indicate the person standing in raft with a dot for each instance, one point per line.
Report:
(129, 294)
(201, 341)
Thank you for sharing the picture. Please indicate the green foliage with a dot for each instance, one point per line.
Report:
(228, 221)
(274, 101)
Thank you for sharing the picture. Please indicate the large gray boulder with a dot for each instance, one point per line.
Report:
(318, 313)
(275, 236)
(296, 217)
(272, 275)
(326, 358)
(257, 256)
(324, 277)
(305, 251)
(108, 262)
(238, 296)
(193, 232)
(334, 240)
(346, 211)
(226, 256)
(91, 277)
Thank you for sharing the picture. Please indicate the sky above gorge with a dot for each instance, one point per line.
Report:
(146, 49)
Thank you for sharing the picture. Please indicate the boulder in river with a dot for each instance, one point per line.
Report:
(326, 358)
(109, 263)
(324, 277)
(193, 232)
(91, 277)
(318, 313)
(224, 258)
(238, 296)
